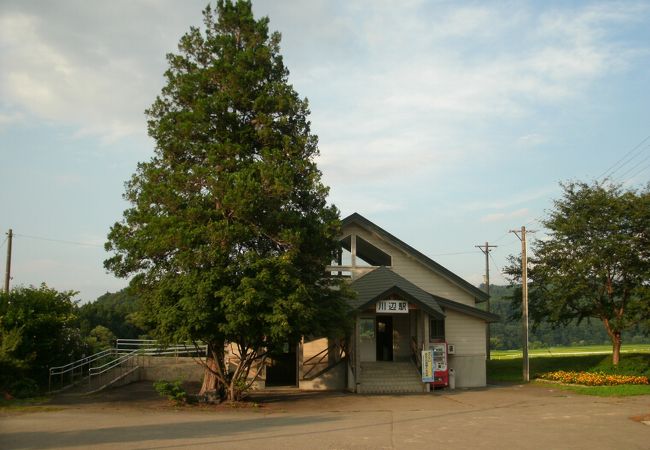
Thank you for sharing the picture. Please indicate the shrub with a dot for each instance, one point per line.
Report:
(24, 388)
(172, 390)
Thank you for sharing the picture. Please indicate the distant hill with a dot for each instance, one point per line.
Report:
(116, 311)
(506, 334)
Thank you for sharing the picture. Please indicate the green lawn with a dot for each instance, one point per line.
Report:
(624, 390)
(582, 350)
(635, 360)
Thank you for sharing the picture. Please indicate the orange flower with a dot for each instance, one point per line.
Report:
(592, 378)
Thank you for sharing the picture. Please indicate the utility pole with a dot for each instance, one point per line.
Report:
(10, 236)
(524, 299)
(486, 250)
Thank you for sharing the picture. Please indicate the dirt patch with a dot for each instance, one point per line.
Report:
(644, 418)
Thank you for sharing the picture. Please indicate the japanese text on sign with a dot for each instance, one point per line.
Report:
(392, 306)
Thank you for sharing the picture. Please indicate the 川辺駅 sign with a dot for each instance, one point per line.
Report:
(392, 306)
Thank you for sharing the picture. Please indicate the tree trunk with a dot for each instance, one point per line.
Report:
(211, 385)
(616, 347)
(615, 336)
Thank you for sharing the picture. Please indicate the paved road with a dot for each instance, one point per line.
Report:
(515, 417)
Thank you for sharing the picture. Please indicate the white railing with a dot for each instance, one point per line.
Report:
(122, 356)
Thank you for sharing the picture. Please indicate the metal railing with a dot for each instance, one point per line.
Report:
(76, 370)
(315, 361)
(123, 361)
(415, 354)
(122, 356)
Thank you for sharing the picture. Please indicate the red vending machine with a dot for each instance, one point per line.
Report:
(440, 366)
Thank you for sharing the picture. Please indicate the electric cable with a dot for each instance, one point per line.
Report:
(60, 241)
(623, 160)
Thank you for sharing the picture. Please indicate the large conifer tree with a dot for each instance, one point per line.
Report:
(229, 231)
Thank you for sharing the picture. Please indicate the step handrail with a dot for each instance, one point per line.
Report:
(58, 370)
(121, 352)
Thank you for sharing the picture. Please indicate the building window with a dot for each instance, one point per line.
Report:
(437, 330)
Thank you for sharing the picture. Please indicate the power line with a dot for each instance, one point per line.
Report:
(631, 164)
(455, 253)
(643, 169)
(634, 168)
(625, 159)
(60, 241)
(499, 271)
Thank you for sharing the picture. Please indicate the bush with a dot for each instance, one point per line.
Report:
(630, 364)
(24, 388)
(172, 390)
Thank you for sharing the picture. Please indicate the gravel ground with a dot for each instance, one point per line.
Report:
(497, 417)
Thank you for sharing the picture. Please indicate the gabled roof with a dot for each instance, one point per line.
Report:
(383, 281)
(357, 218)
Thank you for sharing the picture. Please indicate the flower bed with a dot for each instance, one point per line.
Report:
(592, 378)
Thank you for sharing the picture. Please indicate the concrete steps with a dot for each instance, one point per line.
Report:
(386, 377)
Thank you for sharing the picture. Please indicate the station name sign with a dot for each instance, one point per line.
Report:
(392, 306)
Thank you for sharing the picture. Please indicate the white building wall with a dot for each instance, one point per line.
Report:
(467, 334)
(414, 271)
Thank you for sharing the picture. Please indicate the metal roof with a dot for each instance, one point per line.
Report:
(382, 282)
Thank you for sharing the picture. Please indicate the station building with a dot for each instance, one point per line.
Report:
(405, 303)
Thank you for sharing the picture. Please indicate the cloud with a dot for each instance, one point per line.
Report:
(501, 216)
(531, 140)
(10, 118)
(519, 198)
(93, 66)
(390, 84)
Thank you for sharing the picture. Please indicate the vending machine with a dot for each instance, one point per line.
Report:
(440, 366)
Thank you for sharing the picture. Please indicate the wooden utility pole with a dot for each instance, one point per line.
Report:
(10, 236)
(524, 300)
(486, 249)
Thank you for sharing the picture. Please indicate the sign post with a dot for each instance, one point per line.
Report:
(427, 366)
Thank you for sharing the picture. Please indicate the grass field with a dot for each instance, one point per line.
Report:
(635, 360)
(577, 351)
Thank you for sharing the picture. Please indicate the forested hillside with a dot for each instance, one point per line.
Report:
(117, 311)
(506, 334)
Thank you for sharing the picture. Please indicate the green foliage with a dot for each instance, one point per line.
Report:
(511, 369)
(38, 331)
(172, 390)
(628, 365)
(506, 334)
(119, 312)
(595, 262)
(24, 388)
(625, 390)
(100, 338)
(229, 230)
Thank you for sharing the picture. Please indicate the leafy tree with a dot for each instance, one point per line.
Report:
(596, 260)
(229, 230)
(37, 331)
(119, 312)
(100, 338)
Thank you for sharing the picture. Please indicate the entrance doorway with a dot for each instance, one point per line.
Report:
(384, 335)
(281, 369)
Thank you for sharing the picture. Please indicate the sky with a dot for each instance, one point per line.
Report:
(448, 124)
